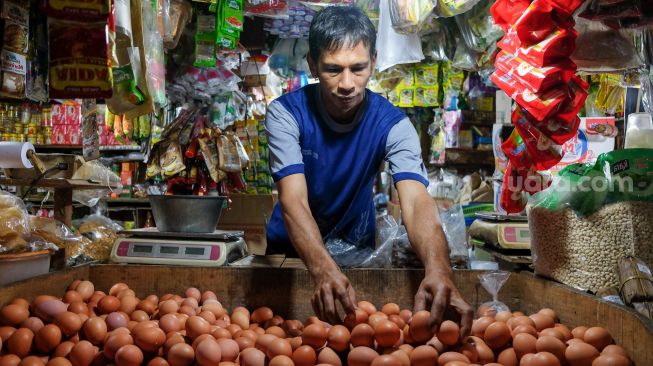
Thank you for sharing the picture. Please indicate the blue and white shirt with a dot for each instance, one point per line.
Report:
(339, 161)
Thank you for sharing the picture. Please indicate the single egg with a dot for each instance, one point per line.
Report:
(279, 346)
(114, 342)
(362, 335)
(108, 304)
(252, 357)
(95, 330)
(581, 354)
(386, 360)
(280, 360)
(391, 309)
(314, 335)
(508, 357)
(423, 356)
(479, 325)
(304, 356)
(359, 316)
(524, 343)
(158, 361)
(447, 357)
(361, 356)
(32, 323)
(13, 314)
(552, 345)
(63, 349)
(598, 337)
(261, 315)
(420, 329)
(20, 342)
(611, 359)
(387, 333)
(544, 359)
(497, 335)
(47, 338)
(328, 356)
(82, 353)
(615, 349)
(208, 352)
(229, 349)
(579, 332)
(338, 338)
(366, 306)
(181, 354)
(59, 361)
(449, 333)
(129, 355)
(542, 321)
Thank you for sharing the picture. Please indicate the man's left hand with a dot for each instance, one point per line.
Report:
(438, 291)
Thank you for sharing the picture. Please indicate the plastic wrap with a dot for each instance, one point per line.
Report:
(14, 223)
(449, 8)
(440, 44)
(155, 72)
(275, 9)
(492, 283)
(392, 47)
(452, 220)
(52, 231)
(408, 16)
(477, 27)
(96, 172)
(99, 234)
(180, 14)
(464, 58)
(350, 255)
(601, 49)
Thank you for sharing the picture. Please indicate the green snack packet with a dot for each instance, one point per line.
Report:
(630, 174)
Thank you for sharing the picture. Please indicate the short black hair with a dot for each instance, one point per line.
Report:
(335, 27)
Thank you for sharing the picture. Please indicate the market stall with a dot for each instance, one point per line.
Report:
(156, 128)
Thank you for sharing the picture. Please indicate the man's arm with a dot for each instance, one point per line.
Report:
(418, 212)
(331, 284)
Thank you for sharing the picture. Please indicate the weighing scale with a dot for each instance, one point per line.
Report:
(150, 246)
(501, 231)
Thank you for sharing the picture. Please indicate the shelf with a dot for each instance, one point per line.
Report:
(469, 157)
(126, 200)
(57, 183)
(79, 147)
(478, 118)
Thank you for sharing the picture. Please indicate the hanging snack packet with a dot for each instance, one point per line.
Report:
(228, 155)
(88, 10)
(211, 159)
(492, 283)
(557, 46)
(535, 23)
(558, 130)
(535, 79)
(544, 152)
(507, 12)
(566, 8)
(172, 160)
(516, 152)
(575, 100)
(512, 198)
(78, 60)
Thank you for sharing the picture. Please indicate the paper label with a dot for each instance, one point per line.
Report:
(14, 62)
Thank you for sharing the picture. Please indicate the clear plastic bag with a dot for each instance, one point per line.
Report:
(288, 56)
(155, 72)
(181, 12)
(464, 58)
(440, 44)
(408, 16)
(477, 27)
(449, 8)
(349, 255)
(392, 47)
(452, 220)
(492, 283)
(14, 223)
(99, 233)
(94, 171)
(275, 9)
(53, 231)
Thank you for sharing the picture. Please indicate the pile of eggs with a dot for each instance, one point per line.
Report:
(91, 328)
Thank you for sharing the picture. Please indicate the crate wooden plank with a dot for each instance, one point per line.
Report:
(288, 291)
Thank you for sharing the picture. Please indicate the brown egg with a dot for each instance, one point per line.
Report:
(366, 306)
(469, 350)
(191, 302)
(304, 356)
(261, 315)
(129, 355)
(526, 360)
(49, 309)
(241, 318)
(185, 309)
(277, 347)
(581, 354)
(69, 323)
(194, 293)
(63, 349)
(9, 360)
(252, 357)
(82, 353)
(32, 323)
(579, 332)
(423, 356)
(128, 304)
(390, 309)
(542, 321)
(158, 361)
(13, 314)
(395, 318)
(359, 316)
(296, 342)
(169, 323)
(208, 352)
(553, 332)
(497, 335)
(406, 315)
(507, 357)
(402, 356)
(114, 342)
(108, 304)
(362, 335)
(32, 361)
(479, 325)
(524, 343)
(277, 331)
(449, 333)
(181, 354)
(420, 329)
(149, 307)
(215, 308)
(503, 316)
(386, 360)
(544, 359)
(549, 312)
(47, 338)
(338, 338)
(314, 335)
(520, 320)
(173, 338)
(20, 342)
(615, 349)
(281, 360)
(244, 343)
(95, 330)
(200, 339)
(116, 320)
(59, 361)
(447, 357)
(229, 349)
(261, 343)
(220, 333)
(117, 287)
(387, 333)
(196, 326)
(552, 345)
(149, 339)
(485, 353)
(139, 316)
(361, 356)
(376, 318)
(611, 359)
(328, 356)
(78, 307)
(564, 330)
(598, 337)
(86, 289)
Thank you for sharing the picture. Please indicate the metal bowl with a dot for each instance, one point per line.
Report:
(186, 214)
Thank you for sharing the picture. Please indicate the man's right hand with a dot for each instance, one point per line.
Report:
(331, 286)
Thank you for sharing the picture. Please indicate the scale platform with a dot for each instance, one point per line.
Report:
(501, 231)
(150, 246)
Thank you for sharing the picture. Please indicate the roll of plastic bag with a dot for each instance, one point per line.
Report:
(395, 48)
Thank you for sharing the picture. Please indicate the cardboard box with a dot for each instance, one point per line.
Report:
(250, 213)
(255, 80)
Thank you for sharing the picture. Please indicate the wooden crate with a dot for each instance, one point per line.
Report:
(287, 291)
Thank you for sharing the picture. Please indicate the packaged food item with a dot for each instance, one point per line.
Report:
(556, 47)
(210, 153)
(180, 13)
(14, 223)
(636, 280)
(78, 60)
(515, 151)
(90, 10)
(409, 16)
(535, 79)
(558, 130)
(507, 12)
(512, 198)
(229, 160)
(100, 233)
(14, 70)
(171, 158)
(628, 173)
(449, 8)
(543, 151)
(536, 22)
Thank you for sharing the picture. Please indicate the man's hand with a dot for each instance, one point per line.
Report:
(331, 286)
(438, 291)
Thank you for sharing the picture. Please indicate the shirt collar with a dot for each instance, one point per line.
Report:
(333, 125)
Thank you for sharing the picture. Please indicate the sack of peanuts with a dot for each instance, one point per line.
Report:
(591, 217)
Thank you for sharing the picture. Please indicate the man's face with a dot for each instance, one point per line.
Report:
(343, 75)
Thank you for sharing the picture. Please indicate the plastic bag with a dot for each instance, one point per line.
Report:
(477, 27)
(99, 233)
(601, 49)
(349, 255)
(180, 13)
(155, 72)
(453, 225)
(54, 232)
(408, 16)
(439, 45)
(288, 57)
(392, 47)
(465, 58)
(492, 283)
(449, 8)
(14, 223)
(96, 172)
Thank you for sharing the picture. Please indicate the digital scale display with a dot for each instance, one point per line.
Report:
(156, 250)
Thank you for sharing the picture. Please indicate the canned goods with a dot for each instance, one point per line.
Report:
(21, 138)
(11, 137)
(46, 117)
(18, 128)
(25, 130)
(32, 129)
(32, 140)
(40, 139)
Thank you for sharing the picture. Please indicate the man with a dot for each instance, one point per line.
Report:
(327, 142)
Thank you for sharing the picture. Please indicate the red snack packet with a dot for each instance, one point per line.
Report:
(512, 198)
(83, 11)
(576, 100)
(557, 46)
(535, 23)
(557, 130)
(540, 105)
(506, 12)
(543, 151)
(516, 153)
(536, 181)
(535, 79)
(566, 7)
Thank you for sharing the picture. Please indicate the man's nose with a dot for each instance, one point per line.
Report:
(346, 84)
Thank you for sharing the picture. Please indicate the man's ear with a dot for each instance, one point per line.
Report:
(373, 62)
(312, 66)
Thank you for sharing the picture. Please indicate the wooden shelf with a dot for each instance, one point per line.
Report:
(469, 157)
(79, 147)
(478, 118)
